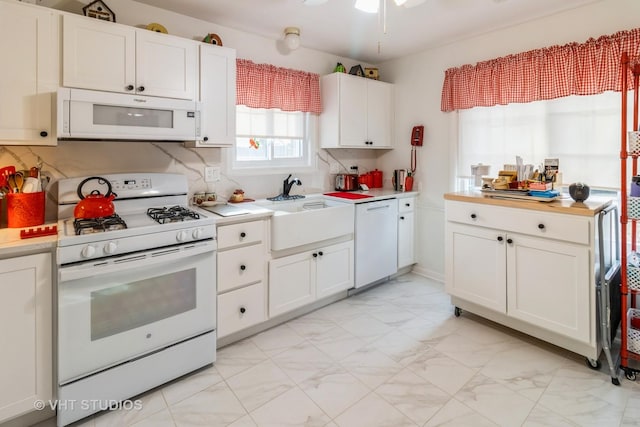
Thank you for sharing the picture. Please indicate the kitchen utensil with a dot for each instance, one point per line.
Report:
(399, 176)
(95, 204)
(15, 182)
(31, 185)
(4, 174)
(346, 182)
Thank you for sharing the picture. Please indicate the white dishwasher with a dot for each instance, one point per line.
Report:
(376, 241)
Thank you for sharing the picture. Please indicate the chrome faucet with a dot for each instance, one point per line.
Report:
(286, 185)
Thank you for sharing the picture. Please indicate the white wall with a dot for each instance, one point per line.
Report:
(418, 81)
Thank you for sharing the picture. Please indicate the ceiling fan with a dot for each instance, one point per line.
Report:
(370, 6)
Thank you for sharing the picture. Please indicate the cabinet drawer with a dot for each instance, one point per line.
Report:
(240, 309)
(406, 205)
(240, 234)
(571, 228)
(240, 266)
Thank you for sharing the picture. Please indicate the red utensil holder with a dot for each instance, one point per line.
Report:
(25, 209)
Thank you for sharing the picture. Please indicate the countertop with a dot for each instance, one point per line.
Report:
(375, 193)
(566, 205)
(12, 245)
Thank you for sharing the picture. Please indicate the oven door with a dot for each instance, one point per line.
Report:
(120, 308)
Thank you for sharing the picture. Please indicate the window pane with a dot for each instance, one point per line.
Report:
(583, 132)
(248, 151)
(287, 148)
(271, 138)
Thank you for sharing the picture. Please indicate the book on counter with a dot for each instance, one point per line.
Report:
(545, 193)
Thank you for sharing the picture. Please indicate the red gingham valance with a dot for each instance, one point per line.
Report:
(268, 86)
(573, 69)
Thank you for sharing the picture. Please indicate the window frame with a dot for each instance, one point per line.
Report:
(307, 163)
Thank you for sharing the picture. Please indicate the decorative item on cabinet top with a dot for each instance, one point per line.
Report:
(356, 70)
(158, 28)
(371, 73)
(99, 10)
(212, 38)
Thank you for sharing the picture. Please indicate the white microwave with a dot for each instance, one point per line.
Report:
(95, 115)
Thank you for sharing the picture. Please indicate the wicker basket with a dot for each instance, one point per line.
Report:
(633, 334)
(633, 139)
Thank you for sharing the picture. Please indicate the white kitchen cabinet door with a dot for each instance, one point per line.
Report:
(241, 266)
(98, 55)
(356, 112)
(406, 240)
(291, 283)
(166, 65)
(26, 371)
(217, 96)
(106, 56)
(476, 268)
(548, 285)
(334, 269)
(241, 309)
(353, 111)
(29, 76)
(379, 116)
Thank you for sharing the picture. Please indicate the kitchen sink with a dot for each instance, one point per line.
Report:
(303, 221)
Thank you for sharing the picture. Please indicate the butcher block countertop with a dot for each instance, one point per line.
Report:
(566, 205)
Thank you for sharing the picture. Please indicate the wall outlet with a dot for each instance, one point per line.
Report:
(334, 168)
(211, 174)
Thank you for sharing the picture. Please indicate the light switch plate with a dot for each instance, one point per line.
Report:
(211, 174)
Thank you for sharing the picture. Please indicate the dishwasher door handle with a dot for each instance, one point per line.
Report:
(378, 208)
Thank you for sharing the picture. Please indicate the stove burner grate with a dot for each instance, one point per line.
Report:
(172, 214)
(98, 225)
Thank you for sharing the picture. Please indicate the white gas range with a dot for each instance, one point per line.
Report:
(136, 291)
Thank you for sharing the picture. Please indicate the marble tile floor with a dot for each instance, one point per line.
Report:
(392, 356)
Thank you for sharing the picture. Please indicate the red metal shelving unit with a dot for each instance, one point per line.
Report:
(629, 212)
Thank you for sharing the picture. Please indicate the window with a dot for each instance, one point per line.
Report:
(271, 138)
(583, 132)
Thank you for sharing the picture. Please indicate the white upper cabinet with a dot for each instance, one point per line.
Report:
(117, 58)
(29, 75)
(356, 112)
(217, 96)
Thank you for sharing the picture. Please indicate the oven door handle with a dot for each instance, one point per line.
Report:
(135, 260)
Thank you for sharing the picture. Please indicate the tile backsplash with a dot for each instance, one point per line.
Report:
(72, 159)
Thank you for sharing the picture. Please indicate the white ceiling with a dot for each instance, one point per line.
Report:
(338, 28)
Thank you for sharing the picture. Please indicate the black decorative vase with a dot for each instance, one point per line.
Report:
(579, 191)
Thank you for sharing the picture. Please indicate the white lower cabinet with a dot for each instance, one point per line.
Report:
(300, 279)
(534, 273)
(26, 371)
(406, 231)
(241, 277)
(241, 309)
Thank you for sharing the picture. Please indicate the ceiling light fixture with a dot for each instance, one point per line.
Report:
(292, 37)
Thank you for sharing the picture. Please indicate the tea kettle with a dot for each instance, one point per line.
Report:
(95, 205)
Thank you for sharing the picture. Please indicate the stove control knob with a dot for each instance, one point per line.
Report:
(110, 248)
(197, 234)
(88, 251)
(182, 235)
